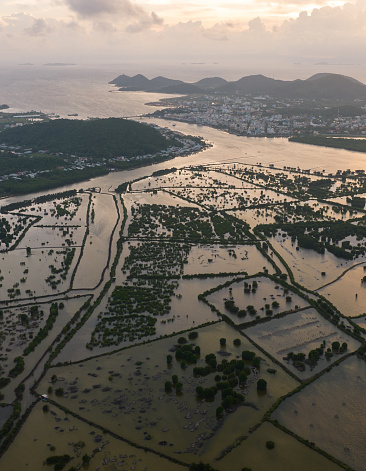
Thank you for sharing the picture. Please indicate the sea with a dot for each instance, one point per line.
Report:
(85, 89)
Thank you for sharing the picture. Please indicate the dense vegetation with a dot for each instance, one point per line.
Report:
(102, 138)
(184, 223)
(13, 163)
(49, 180)
(358, 145)
(230, 376)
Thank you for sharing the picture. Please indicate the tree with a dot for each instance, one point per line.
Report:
(242, 377)
(261, 385)
(270, 445)
(223, 342)
(219, 411)
(168, 386)
(247, 355)
(169, 359)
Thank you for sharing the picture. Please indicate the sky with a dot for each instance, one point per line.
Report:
(195, 31)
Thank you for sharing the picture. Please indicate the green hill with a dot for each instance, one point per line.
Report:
(112, 137)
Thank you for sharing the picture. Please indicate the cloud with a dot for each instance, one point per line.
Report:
(38, 28)
(114, 30)
(256, 25)
(92, 8)
(145, 23)
(218, 32)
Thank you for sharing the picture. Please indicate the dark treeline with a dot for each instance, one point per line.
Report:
(358, 145)
(319, 236)
(51, 180)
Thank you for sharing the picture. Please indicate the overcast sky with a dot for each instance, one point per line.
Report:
(116, 31)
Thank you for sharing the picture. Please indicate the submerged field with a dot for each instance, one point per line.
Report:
(125, 393)
(329, 412)
(177, 321)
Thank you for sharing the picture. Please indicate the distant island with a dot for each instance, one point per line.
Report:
(4, 107)
(323, 86)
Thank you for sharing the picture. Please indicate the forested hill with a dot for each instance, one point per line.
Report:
(102, 138)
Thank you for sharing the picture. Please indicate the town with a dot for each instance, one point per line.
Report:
(264, 116)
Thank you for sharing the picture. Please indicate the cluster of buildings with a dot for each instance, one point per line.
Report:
(259, 116)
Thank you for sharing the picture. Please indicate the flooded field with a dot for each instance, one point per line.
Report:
(22, 332)
(36, 272)
(311, 269)
(12, 228)
(329, 412)
(53, 433)
(229, 259)
(301, 332)
(126, 394)
(59, 211)
(354, 304)
(255, 298)
(288, 454)
(229, 199)
(186, 312)
(39, 236)
(311, 210)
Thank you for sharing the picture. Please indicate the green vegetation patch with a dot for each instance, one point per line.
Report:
(130, 315)
(183, 223)
(156, 259)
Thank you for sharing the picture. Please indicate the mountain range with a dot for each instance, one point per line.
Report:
(319, 86)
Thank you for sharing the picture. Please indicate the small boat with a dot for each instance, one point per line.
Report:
(73, 114)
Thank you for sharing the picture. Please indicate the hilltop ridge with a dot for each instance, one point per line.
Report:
(318, 86)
